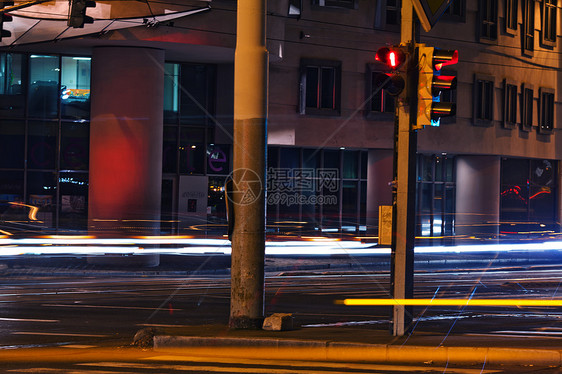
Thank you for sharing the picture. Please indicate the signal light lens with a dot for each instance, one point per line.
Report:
(391, 57)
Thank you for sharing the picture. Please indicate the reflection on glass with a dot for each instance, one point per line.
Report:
(75, 87)
(43, 86)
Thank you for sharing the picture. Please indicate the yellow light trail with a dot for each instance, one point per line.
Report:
(450, 302)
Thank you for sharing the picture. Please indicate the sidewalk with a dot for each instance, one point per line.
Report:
(361, 344)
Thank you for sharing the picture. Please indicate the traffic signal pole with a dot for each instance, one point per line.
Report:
(402, 257)
(248, 176)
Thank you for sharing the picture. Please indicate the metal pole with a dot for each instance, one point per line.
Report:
(248, 176)
(402, 271)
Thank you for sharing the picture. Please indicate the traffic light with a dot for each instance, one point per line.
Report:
(5, 18)
(431, 83)
(77, 13)
(394, 58)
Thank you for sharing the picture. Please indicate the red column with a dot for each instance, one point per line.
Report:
(126, 141)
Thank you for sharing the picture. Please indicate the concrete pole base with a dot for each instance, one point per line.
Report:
(245, 323)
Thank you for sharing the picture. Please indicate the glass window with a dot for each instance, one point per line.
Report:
(387, 14)
(320, 83)
(510, 104)
(41, 192)
(483, 100)
(546, 113)
(380, 100)
(195, 102)
(73, 200)
(511, 11)
(11, 191)
(42, 145)
(528, 26)
(455, 11)
(43, 86)
(350, 164)
(169, 153)
(12, 144)
(549, 22)
(11, 73)
(218, 159)
(75, 146)
(171, 92)
(192, 151)
(527, 107)
(75, 87)
(350, 194)
(489, 19)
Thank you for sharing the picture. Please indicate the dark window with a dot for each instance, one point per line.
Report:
(511, 11)
(483, 100)
(387, 14)
(510, 104)
(320, 88)
(456, 11)
(379, 100)
(548, 20)
(488, 19)
(527, 107)
(351, 4)
(546, 122)
(528, 27)
(435, 195)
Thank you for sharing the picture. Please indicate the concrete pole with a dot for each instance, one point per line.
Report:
(402, 269)
(248, 176)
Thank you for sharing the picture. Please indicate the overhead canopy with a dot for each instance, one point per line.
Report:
(48, 21)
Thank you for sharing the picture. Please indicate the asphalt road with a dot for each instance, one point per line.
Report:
(100, 308)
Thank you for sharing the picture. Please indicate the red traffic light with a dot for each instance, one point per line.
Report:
(391, 57)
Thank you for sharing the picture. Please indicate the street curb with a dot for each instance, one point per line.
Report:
(317, 350)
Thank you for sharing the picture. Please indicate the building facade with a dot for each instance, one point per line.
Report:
(130, 130)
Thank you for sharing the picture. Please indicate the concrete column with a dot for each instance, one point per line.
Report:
(477, 197)
(379, 190)
(126, 141)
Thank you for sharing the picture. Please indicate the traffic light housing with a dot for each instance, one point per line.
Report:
(5, 18)
(394, 58)
(431, 83)
(77, 13)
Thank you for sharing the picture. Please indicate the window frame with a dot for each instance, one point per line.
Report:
(491, 6)
(381, 12)
(373, 69)
(318, 110)
(479, 95)
(452, 17)
(548, 7)
(511, 13)
(543, 92)
(528, 28)
(508, 121)
(526, 106)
